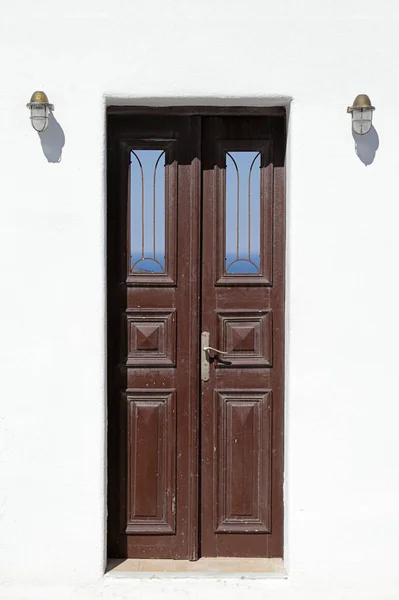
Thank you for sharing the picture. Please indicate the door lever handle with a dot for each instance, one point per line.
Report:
(207, 348)
(205, 360)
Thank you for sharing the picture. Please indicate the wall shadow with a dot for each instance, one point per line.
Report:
(52, 140)
(366, 145)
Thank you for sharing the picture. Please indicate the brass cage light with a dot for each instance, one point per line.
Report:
(40, 109)
(362, 114)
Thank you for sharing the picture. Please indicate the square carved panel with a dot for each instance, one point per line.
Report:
(247, 337)
(151, 338)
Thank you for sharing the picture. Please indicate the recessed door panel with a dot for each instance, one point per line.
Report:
(242, 461)
(151, 464)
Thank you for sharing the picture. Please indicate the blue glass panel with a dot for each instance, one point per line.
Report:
(242, 213)
(147, 211)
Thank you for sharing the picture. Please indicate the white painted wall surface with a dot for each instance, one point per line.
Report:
(342, 443)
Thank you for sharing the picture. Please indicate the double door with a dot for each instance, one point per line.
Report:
(195, 335)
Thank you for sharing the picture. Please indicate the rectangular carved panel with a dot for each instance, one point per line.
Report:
(247, 336)
(151, 485)
(242, 437)
(151, 337)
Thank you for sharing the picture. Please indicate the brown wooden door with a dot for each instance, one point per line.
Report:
(153, 325)
(195, 244)
(242, 309)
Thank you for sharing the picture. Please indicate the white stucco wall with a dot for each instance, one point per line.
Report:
(342, 406)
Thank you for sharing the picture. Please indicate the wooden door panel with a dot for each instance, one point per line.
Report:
(242, 436)
(153, 328)
(246, 336)
(151, 473)
(243, 310)
(151, 337)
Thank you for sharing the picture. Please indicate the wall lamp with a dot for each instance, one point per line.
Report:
(362, 114)
(39, 110)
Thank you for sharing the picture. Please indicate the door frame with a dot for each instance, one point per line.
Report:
(197, 110)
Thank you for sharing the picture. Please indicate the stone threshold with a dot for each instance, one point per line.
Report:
(251, 568)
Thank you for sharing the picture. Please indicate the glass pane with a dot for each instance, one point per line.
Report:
(242, 213)
(361, 126)
(147, 211)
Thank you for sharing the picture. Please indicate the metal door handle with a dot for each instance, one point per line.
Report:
(205, 362)
(207, 348)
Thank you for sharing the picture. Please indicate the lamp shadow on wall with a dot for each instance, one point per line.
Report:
(366, 145)
(52, 140)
